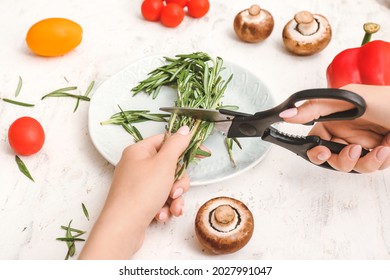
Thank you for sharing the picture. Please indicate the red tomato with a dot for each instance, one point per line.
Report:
(26, 136)
(172, 15)
(182, 3)
(198, 8)
(151, 9)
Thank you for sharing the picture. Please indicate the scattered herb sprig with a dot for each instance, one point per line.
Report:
(64, 92)
(17, 91)
(23, 168)
(70, 239)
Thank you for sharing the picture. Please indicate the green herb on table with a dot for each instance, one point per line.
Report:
(17, 102)
(85, 211)
(17, 91)
(89, 89)
(71, 239)
(23, 168)
(65, 92)
(19, 87)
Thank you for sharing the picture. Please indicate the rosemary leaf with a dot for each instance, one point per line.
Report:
(85, 211)
(23, 168)
(19, 87)
(229, 146)
(73, 229)
(69, 239)
(18, 102)
(202, 153)
(89, 89)
(65, 94)
(70, 244)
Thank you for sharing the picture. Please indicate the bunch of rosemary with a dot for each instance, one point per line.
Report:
(199, 84)
(197, 78)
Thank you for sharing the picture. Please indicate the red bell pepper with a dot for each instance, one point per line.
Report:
(368, 64)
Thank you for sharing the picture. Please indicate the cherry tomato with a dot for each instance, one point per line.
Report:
(182, 3)
(198, 8)
(172, 15)
(54, 36)
(151, 9)
(26, 136)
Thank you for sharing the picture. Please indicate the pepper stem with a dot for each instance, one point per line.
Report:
(370, 28)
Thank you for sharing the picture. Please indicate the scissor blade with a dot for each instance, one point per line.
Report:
(222, 122)
(198, 113)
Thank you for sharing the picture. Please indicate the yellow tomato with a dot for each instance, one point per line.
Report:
(54, 36)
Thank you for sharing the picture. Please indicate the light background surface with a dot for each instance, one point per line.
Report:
(301, 211)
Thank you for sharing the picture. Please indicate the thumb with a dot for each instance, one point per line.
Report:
(313, 109)
(175, 145)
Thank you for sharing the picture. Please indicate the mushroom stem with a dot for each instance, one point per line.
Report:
(254, 10)
(369, 29)
(306, 23)
(224, 214)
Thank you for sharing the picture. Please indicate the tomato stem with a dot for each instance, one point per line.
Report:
(369, 29)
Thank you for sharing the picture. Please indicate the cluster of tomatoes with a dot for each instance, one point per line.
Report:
(171, 12)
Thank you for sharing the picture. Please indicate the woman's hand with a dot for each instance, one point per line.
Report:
(370, 131)
(143, 187)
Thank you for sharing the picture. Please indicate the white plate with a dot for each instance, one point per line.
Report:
(245, 90)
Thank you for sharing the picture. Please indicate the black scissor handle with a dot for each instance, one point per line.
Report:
(326, 93)
(255, 125)
(301, 144)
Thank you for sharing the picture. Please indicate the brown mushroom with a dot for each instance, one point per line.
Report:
(307, 33)
(224, 225)
(253, 25)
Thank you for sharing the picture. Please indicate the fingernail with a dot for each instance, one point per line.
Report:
(184, 130)
(178, 192)
(323, 156)
(383, 153)
(355, 152)
(289, 113)
(163, 216)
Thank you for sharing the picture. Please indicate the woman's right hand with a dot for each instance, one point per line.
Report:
(370, 131)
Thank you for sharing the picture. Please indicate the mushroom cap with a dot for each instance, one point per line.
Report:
(224, 225)
(253, 25)
(315, 39)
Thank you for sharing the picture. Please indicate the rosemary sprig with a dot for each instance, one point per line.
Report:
(71, 239)
(64, 92)
(127, 118)
(23, 168)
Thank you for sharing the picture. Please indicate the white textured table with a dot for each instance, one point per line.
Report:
(301, 211)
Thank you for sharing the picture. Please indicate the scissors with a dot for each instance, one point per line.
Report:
(238, 124)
